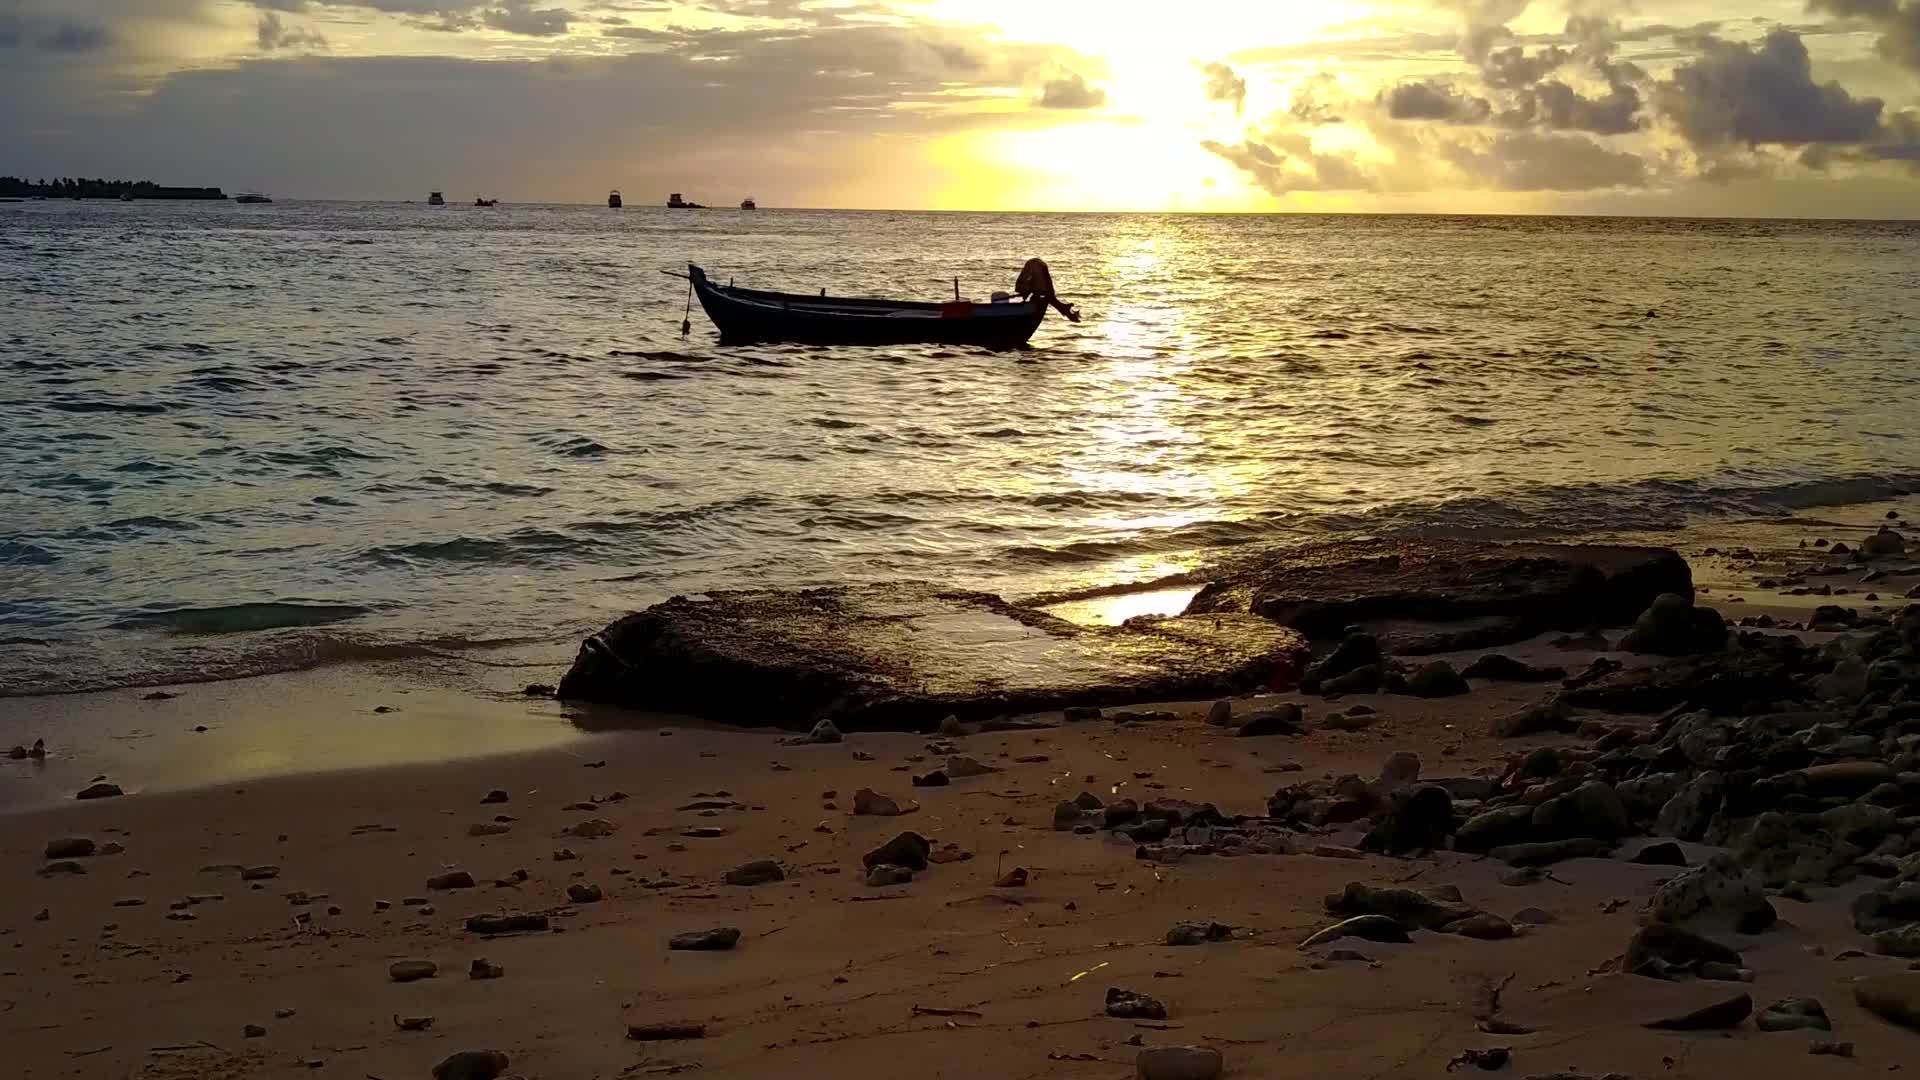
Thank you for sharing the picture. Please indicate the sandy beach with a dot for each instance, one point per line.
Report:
(285, 902)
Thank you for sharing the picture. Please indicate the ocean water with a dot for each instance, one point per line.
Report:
(244, 439)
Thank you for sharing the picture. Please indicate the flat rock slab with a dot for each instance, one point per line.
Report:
(907, 654)
(1492, 593)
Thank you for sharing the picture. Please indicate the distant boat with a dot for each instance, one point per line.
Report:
(251, 197)
(747, 203)
(434, 198)
(126, 196)
(749, 315)
(675, 202)
(477, 201)
(613, 199)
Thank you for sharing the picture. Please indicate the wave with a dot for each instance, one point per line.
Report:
(240, 618)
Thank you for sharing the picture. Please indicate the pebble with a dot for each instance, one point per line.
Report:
(454, 879)
(472, 1065)
(99, 791)
(482, 968)
(907, 849)
(887, 874)
(757, 872)
(253, 1031)
(867, 801)
(582, 893)
(516, 923)
(1368, 927)
(70, 847)
(1829, 1048)
(1012, 879)
(488, 828)
(718, 939)
(1178, 1063)
(411, 970)
(1793, 1014)
(590, 829)
(1221, 714)
(1128, 1005)
(64, 866)
(283, 1014)
(259, 873)
(1188, 933)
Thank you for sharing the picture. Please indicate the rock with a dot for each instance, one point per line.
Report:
(472, 1065)
(1847, 778)
(869, 802)
(1128, 1005)
(1418, 818)
(1188, 933)
(1405, 906)
(1355, 651)
(1721, 1013)
(1546, 715)
(1894, 997)
(1884, 543)
(1549, 852)
(70, 847)
(1012, 879)
(1502, 668)
(885, 874)
(1687, 815)
(1366, 927)
(665, 1032)
(1283, 720)
(1830, 1048)
(1819, 848)
(1672, 626)
(581, 892)
(1178, 1063)
(1718, 895)
(1662, 854)
(757, 872)
(961, 767)
(1401, 767)
(908, 849)
(516, 923)
(905, 654)
(1526, 588)
(411, 970)
(822, 732)
(1498, 827)
(482, 968)
(1482, 927)
(1660, 951)
(101, 790)
(1902, 942)
(1590, 810)
(590, 829)
(497, 795)
(1887, 908)
(1793, 1014)
(488, 828)
(718, 939)
(1644, 795)
(1437, 680)
(1350, 720)
(936, 778)
(259, 873)
(1221, 714)
(1533, 916)
(455, 879)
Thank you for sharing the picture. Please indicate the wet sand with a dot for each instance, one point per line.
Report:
(830, 975)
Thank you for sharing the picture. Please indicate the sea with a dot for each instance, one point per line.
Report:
(236, 440)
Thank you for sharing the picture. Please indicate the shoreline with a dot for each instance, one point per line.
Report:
(471, 706)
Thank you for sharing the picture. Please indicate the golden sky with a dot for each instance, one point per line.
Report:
(1790, 107)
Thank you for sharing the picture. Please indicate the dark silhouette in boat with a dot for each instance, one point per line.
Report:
(749, 315)
(478, 201)
(675, 202)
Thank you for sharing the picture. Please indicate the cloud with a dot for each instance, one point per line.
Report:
(1070, 92)
(1762, 94)
(1433, 99)
(1224, 84)
(76, 37)
(1531, 161)
(1306, 103)
(1283, 164)
(520, 17)
(1898, 22)
(273, 34)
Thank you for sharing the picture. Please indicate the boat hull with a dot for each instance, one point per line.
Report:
(744, 316)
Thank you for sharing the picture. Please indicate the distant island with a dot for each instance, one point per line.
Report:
(12, 187)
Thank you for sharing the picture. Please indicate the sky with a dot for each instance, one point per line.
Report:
(1802, 108)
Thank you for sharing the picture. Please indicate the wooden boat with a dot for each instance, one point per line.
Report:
(748, 315)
